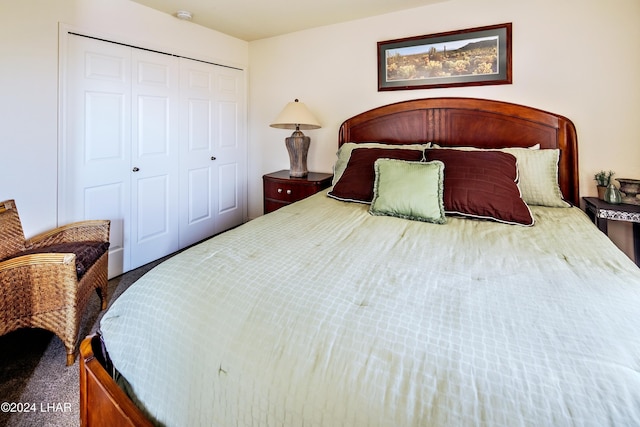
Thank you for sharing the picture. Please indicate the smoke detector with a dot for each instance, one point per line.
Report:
(184, 15)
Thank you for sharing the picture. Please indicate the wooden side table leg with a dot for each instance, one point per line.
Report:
(602, 224)
(591, 213)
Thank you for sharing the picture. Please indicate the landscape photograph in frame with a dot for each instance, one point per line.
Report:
(471, 57)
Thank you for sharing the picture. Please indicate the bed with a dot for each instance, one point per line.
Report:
(443, 299)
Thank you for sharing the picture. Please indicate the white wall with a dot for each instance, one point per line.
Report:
(579, 58)
(29, 82)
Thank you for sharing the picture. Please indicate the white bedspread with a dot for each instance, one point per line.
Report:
(322, 315)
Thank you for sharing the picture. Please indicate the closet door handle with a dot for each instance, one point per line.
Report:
(213, 157)
(136, 169)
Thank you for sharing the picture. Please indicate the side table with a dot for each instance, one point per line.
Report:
(600, 212)
(280, 189)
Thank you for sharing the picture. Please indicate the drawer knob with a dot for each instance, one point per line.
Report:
(288, 191)
(279, 190)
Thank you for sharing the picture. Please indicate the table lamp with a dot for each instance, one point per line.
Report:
(295, 115)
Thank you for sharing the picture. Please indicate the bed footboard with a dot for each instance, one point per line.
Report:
(102, 402)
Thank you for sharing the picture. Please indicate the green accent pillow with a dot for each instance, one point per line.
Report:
(538, 176)
(344, 154)
(410, 190)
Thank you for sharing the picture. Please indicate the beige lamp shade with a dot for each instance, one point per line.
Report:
(295, 115)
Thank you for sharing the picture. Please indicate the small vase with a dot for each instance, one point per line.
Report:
(601, 190)
(630, 188)
(612, 195)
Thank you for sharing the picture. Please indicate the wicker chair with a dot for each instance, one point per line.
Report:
(46, 281)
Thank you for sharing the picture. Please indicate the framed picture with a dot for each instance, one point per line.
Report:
(472, 57)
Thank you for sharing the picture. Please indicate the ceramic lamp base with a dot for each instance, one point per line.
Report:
(298, 147)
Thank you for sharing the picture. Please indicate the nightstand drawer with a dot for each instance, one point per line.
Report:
(287, 192)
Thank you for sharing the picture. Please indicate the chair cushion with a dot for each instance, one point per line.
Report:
(87, 253)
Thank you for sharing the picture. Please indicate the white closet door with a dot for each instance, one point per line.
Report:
(155, 153)
(153, 142)
(213, 150)
(232, 148)
(119, 148)
(95, 148)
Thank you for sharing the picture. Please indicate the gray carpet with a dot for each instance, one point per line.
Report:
(33, 374)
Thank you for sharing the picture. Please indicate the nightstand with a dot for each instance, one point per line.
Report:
(280, 189)
(600, 212)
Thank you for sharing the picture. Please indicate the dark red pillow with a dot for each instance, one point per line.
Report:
(356, 183)
(482, 184)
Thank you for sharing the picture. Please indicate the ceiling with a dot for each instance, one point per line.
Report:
(257, 19)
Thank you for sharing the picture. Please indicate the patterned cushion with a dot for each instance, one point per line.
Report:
(87, 253)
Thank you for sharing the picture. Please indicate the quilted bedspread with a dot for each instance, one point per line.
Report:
(320, 314)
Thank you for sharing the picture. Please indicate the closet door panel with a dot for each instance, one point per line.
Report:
(155, 151)
(231, 147)
(199, 201)
(213, 150)
(228, 199)
(198, 157)
(153, 219)
(199, 208)
(229, 187)
(95, 148)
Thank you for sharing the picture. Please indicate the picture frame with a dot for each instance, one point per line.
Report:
(472, 57)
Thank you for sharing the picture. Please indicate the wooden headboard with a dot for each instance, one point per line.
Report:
(472, 122)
